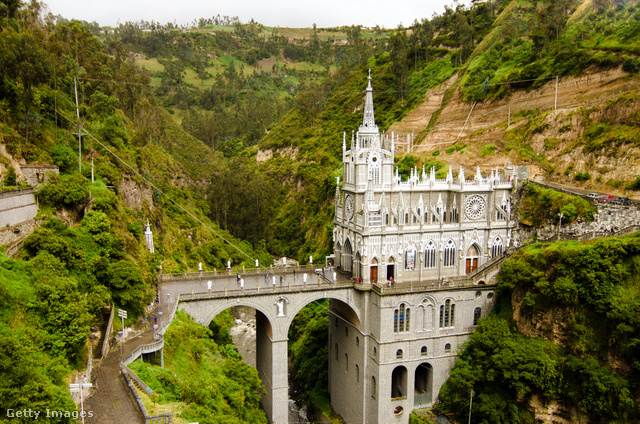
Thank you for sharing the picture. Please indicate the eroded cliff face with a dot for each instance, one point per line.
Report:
(552, 124)
(550, 324)
(136, 196)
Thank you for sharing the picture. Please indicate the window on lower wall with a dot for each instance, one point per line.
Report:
(401, 319)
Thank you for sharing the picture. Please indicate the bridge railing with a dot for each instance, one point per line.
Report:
(327, 285)
(230, 272)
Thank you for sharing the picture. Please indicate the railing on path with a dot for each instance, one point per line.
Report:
(129, 377)
(172, 313)
(107, 333)
(591, 235)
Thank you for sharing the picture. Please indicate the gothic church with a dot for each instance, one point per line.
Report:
(402, 240)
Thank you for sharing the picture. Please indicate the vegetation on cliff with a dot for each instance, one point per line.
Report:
(566, 330)
(210, 381)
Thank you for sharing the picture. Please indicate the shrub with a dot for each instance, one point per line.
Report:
(582, 176)
(630, 65)
(64, 157)
(488, 150)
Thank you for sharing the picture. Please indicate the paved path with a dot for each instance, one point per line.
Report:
(112, 402)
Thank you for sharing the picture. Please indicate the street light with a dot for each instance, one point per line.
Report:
(74, 388)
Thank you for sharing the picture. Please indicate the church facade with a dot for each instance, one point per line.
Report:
(413, 233)
(420, 229)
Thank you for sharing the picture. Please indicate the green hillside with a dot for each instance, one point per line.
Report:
(227, 137)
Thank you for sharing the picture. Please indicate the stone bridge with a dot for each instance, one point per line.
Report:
(277, 295)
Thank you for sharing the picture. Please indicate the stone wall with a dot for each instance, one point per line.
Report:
(17, 207)
(36, 175)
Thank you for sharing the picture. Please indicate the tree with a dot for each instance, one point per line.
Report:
(398, 57)
(127, 285)
(24, 60)
(64, 157)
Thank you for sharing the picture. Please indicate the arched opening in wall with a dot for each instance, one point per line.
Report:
(399, 382)
(391, 269)
(423, 386)
(348, 259)
(373, 271)
(472, 258)
(317, 368)
(242, 331)
(356, 266)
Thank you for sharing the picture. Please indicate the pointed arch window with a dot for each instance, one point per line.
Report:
(447, 314)
(497, 248)
(374, 171)
(430, 256)
(401, 319)
(477, 313)
(449, 254)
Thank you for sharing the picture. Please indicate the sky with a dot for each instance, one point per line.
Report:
(282, 13)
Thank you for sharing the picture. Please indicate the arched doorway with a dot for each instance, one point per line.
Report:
(472, 258)
(391, 269)
(373, 271)
(423, 386)
(347, 256)
(399, 383)
(338, 254)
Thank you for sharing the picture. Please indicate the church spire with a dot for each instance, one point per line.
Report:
(369, 121)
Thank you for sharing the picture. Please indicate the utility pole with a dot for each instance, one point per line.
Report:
(470, 404)
(75, 89)
(555, 106)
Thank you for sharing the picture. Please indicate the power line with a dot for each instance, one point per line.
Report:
(86, 133)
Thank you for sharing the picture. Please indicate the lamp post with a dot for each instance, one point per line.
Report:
(122, 314)
(74, 388)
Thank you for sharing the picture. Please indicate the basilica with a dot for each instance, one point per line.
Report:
(421, 229)
(414, 248)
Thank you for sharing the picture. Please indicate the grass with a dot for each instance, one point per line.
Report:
(151, 65)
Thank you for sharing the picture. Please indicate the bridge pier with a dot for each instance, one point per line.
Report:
(271, 363)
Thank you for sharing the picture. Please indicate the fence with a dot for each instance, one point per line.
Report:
(129, 377)
(107, 333)
(591, 235)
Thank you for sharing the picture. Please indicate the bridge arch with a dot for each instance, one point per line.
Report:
(203, 312)
(341, 304)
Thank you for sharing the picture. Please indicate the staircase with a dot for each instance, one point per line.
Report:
(97, 349)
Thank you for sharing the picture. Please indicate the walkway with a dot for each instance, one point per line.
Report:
(112, 403)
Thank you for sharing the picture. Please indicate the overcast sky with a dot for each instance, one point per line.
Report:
(283, 13)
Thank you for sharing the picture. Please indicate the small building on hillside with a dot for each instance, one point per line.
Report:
(36, 175)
